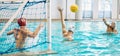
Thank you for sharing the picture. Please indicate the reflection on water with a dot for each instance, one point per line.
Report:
(90, 38)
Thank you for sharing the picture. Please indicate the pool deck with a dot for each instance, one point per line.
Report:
(30, 53)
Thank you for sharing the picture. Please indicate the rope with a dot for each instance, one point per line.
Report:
(8, 51)
(11, 3)
(12, 18)
(27, 5)
(31, 4)
(23, 10)
(35, 2)
(10, 48)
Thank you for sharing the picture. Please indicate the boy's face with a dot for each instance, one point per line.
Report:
(70, 33)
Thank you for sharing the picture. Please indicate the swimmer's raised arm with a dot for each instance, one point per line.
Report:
(105, 22)
(32, 34)
(37, 30)
(62, 20)
(115, 31)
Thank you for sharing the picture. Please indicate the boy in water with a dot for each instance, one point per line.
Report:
(22, 33)
(67, 34)
(110, 28)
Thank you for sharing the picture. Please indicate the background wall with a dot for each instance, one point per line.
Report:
(95, 9)
(65, 6)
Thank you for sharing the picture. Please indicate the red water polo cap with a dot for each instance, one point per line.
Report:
(21, 21)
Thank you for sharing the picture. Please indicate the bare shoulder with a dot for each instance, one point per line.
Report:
(28, 31)
(65, 34)
(15, 30)
(115, 31)
(24, 30)
(70, 38)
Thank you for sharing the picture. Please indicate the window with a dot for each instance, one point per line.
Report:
(105, 9)
(87, 8)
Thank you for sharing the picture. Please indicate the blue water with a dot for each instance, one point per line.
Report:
(90, 38)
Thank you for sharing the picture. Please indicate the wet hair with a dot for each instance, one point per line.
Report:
(70, 31)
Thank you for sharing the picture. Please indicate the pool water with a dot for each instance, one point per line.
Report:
(90, 39)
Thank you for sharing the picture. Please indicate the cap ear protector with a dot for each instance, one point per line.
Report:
(70, 31)
(21, 22)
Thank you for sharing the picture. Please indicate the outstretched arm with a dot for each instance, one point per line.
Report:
(32, 34)
(10, 32)
(37, 30)
(62, 20)
(105, 22)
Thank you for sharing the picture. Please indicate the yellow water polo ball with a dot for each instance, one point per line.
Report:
(74, 8)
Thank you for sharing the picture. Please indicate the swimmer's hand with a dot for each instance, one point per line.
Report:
(104, 19)
(35, 33)
(60, 9)
(41, 25)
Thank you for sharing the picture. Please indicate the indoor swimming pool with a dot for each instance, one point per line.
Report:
(90, 39)
(7, 42)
